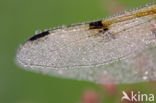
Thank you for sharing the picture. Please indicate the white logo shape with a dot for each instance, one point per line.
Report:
(137, 96)
(125, 96)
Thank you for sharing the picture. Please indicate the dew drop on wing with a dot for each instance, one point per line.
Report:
(72, 53)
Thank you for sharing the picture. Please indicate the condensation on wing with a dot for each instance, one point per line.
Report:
(123, 54)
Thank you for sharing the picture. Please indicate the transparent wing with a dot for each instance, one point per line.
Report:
(123, 54)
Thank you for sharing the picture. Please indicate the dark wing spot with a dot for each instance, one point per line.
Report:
(96, 25)
(105, 29)
(35, 37)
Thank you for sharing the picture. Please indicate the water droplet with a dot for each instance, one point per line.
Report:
(38, 31)
(146, 73)
(145, 77)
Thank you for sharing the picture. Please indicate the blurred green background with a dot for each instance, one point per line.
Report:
(19, 19)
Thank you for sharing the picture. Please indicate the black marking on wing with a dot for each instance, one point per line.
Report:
(35, 37)
(96, 25)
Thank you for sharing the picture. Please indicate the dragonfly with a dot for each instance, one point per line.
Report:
(118, 49)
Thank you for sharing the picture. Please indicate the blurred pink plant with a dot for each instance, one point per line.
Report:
(90, 96)
(110, 88)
